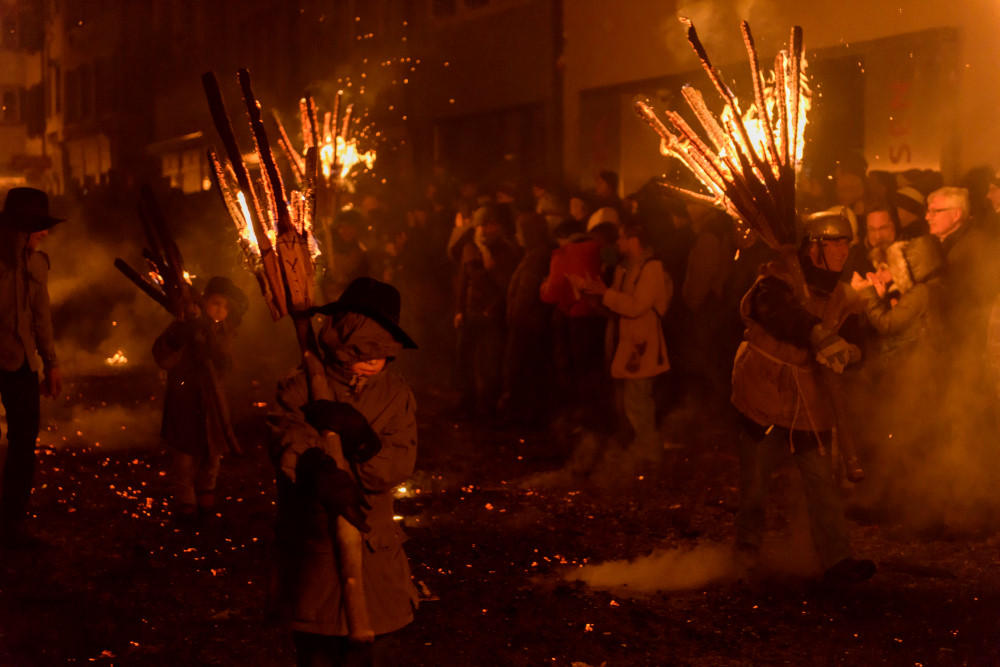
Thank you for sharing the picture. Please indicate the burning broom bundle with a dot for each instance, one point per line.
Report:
(337, 153)
(275, 234)
(748, 165)
(746, 160)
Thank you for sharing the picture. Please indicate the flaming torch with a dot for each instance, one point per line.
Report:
(274, 233)
(747, 161)
(170, 286)
(339, 157)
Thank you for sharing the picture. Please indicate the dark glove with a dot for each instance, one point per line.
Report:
(333, 488)
(359, 440)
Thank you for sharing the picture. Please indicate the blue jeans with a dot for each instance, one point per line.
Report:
(758, 458)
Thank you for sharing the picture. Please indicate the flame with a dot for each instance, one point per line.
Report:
(246, 230)
(755, 125)
(748, 161)
(118, 359)
(345, 154)
(188, 277)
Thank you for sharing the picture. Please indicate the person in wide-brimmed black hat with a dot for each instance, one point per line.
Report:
(373, 412)
(26, 344)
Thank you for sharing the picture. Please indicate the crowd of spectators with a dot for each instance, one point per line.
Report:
(506, 287)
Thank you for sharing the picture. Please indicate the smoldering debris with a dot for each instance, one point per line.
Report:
(666, 570)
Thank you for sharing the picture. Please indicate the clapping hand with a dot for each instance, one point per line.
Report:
(587, 284)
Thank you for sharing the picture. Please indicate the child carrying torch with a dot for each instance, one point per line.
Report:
(195, 350)
(373, 413)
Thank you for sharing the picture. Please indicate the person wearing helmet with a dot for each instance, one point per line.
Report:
(780, 390)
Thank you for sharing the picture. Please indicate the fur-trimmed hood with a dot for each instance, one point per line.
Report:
(914, 261)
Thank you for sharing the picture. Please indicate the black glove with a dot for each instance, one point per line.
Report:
(333, 488)
(359, 440)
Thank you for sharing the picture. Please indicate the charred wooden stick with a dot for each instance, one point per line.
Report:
(294, 159)
(224, 127)
(758, 91)
(293, 252)
(143, 284)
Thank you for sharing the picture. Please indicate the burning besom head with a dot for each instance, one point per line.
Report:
(749, 160)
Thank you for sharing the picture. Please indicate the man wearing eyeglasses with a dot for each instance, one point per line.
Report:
(972, 266)
(970, 286)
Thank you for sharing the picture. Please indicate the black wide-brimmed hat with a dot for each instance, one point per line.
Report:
(227, 288)
(27, 210)
(375, 299)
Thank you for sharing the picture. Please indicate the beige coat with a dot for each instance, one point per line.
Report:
(638, 297)
(307, 592)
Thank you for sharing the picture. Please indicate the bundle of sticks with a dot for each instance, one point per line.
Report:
(337, 153)
(275, 231)
(748, 161)
(748, 165)
(171, 289)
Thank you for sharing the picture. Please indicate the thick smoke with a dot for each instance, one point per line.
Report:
(668, 570)
(98, 314)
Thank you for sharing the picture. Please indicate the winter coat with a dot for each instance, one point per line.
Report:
(25, 314)
(916, 315)
(191, 422)
(482, 291)
(525, 308)
(776, 379)
(580, 257)
(638, 297)
(970, 281)
(306, 592)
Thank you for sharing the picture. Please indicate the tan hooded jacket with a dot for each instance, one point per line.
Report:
(306, 593)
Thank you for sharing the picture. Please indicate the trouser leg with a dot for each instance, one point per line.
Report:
(759, 452)
(640, 409)
(21, 400)
(824, 505)
(183, 471)
(205, 480)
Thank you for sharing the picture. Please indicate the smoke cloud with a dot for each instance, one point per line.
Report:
(667, 570)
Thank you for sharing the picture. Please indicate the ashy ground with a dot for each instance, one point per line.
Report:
(531, 548)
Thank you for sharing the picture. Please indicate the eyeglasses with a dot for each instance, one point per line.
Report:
(935, 211)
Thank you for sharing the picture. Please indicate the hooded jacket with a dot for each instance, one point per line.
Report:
(306, 593)
(916, 268)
